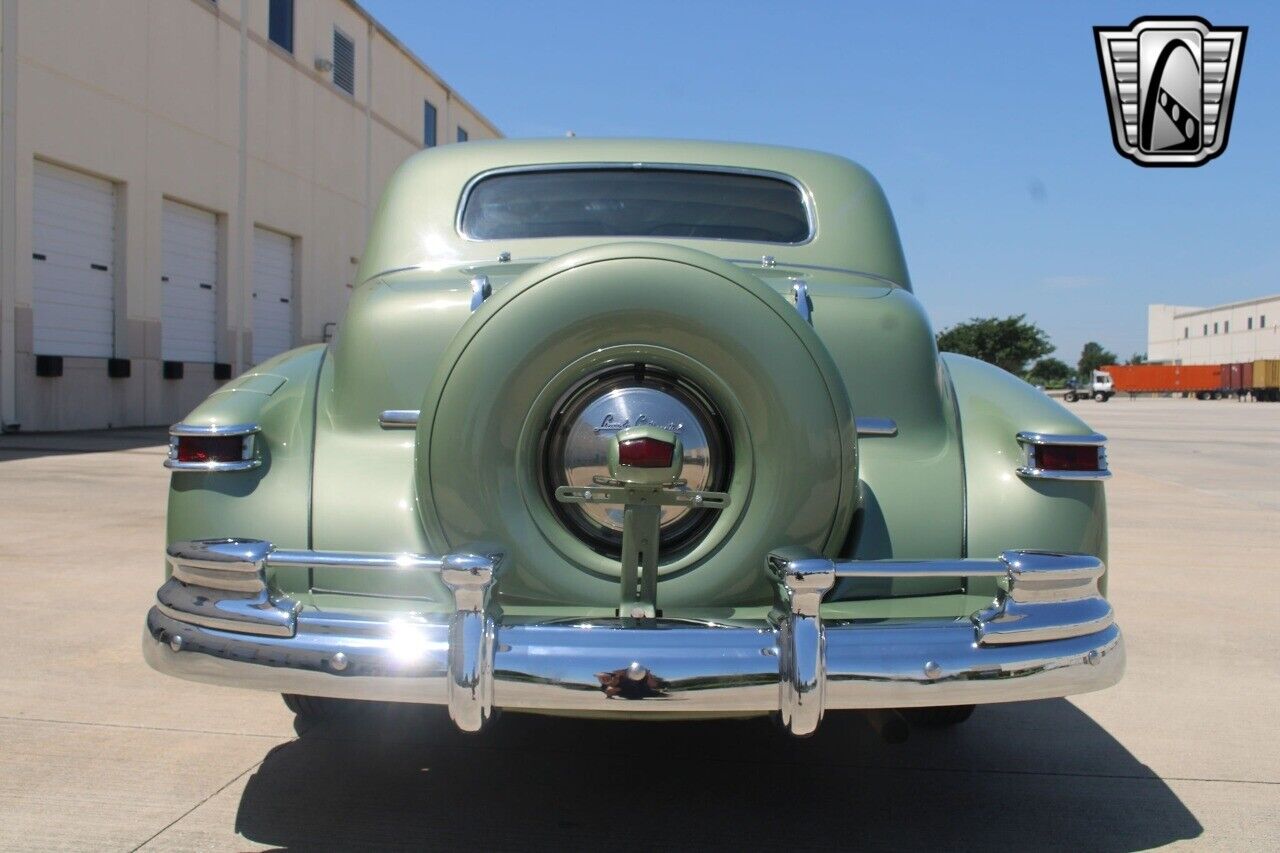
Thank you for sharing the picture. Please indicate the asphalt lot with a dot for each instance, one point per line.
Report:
(98, 752)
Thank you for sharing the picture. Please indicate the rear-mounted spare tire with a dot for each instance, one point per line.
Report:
(730, 352)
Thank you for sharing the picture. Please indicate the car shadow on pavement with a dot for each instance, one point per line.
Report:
(28, 445)
(1030, 775)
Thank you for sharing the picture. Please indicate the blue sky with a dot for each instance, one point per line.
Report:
(984, 122)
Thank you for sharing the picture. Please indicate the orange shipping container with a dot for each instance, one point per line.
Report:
(1152, 378)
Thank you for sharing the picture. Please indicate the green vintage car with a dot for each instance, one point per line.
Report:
(637, 429)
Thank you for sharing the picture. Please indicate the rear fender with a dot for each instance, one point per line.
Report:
(273, 501)
(1003, 510)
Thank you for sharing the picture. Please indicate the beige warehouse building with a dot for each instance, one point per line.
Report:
(185, 188)
(1223, 334)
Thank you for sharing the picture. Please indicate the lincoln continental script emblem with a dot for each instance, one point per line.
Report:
(1170, 85)
(613, 423)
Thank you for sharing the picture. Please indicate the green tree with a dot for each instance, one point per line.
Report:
(1050, 372)
(1137, 358)
(1007, 342)
(1094, 356)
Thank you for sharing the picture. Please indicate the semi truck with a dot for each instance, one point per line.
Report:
(1099, 387)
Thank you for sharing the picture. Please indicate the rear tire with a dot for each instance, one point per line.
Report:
(1070, 396)
(317, 708)
(941, 716)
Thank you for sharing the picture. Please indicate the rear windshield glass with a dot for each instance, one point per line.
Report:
(622, 202)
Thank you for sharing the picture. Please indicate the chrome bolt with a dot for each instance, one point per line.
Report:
(767, 261)
(637, 613)
(175, 642)
(338, 662)
(504, 257)
(697, 499)
(636, 672)
(1093, 658)
(932, 669)
(587, 494)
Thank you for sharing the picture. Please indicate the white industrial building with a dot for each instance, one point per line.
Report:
(185, 189)
(1223, 334)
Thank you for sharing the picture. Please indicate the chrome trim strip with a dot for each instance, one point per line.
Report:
(214, 429)
(1048, 633)
(1031, 440)
(1033, 473)
(213, 467)
(399, 419)
(356, 561)
(806, 197)
(789, 265)
(920, 568)
(876, 426)
(1052, 438)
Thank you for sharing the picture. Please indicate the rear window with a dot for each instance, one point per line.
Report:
(635, 202)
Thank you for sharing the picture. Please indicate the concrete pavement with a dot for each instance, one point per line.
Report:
(98, 752)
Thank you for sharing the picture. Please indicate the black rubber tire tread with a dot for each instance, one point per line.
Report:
(319, 707)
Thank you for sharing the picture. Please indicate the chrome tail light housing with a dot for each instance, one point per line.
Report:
(1047, 456)
(213, 447)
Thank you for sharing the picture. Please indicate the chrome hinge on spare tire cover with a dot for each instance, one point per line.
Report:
(715, 328)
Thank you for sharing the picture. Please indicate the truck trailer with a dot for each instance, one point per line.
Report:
(1202, 380)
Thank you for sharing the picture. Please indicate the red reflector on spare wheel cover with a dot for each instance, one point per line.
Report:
(645, 453)
(1067, 457)
(210, 448)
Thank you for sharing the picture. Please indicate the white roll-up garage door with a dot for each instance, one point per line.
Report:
(272, 294)
(189, 280)
(73, 263)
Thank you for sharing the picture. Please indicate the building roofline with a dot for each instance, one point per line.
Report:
(1243, 302)
(450, 91)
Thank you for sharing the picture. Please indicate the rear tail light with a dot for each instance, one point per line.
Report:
(1066, 457)
(1063, 457)
(209, 448)
(645, 453)
(212, 448)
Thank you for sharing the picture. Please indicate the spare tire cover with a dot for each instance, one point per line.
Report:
(790, 424)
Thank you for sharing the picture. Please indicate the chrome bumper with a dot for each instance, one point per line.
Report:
(1048, 633)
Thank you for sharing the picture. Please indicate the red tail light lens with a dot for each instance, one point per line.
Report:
(210, 448)
(645, 453)
(1066, 457)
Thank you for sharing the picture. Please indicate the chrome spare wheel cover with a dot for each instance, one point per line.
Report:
(577, 449)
